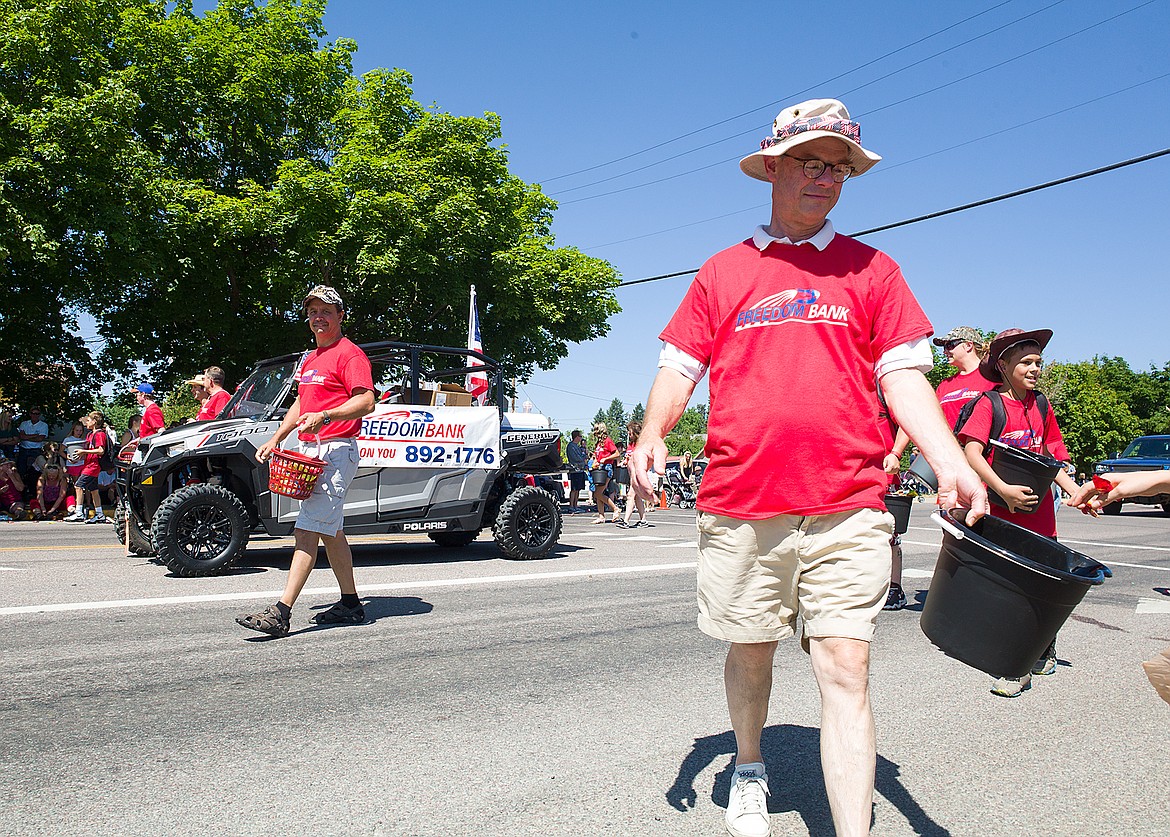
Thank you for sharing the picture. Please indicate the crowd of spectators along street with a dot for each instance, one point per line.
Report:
(72, 479)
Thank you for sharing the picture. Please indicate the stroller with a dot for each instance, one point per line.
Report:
(680, 492)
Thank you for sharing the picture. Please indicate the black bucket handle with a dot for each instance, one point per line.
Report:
(1103, 573)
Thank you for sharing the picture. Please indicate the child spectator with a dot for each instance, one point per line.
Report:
(1014, 361)
(70, 445)
(11, 491)
(9, 435)
(53, 499)
(96, 441)
(107, 488)
(633, 501)
(131, 432)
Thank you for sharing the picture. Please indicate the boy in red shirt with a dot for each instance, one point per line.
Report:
(96, 442)
(1015, 360)
(152, 417)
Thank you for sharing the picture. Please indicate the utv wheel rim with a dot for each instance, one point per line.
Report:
(203, 533)
(534, 524)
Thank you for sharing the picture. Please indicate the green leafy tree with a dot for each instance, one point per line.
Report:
(690, 433)
(186, 178)
(1094, 421)
(615, 419)
(179, 404)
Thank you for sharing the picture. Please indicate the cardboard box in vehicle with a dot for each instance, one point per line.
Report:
(445, 395)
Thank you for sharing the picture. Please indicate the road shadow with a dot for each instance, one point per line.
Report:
(376, 607)
(793, 756)
(261, 557)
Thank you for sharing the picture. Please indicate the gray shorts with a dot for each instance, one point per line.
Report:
(324, 511)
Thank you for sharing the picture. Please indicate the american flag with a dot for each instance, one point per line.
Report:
(477, 382)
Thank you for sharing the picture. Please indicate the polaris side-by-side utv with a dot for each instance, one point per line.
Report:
(192, 495)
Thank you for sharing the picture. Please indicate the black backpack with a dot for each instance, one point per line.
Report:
(998, 412)
(109, 455)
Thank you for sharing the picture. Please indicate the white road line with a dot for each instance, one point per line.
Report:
(11, 569)
(1153, 606)
(681, 545)
(643, 538)
(316, 591)
(1135, 566)
(912, 573)
(922, 543)
(1080, 543)
(1121, 545)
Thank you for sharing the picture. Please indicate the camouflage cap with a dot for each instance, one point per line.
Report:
(325, 294)
(965, 333)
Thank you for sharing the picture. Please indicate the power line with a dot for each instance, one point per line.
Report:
(739, 134)
(919, 95)
(1081, 176)
(892, 166)
(778, 101)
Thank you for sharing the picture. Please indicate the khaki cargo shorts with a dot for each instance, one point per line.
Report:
(324, 511)
(756, 577)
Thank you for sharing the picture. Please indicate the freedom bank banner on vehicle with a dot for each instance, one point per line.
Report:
(406, 436)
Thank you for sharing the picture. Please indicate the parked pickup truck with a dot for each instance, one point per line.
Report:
(1145, 453)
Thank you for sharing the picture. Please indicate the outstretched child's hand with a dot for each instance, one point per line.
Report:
(1019, 498)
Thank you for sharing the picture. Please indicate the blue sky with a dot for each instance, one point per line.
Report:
(580, 85)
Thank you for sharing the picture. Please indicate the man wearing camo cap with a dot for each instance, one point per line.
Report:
(335, 389)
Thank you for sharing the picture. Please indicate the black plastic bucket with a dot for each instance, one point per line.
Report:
(1000, 593)
(920, 469)
(600, 476)
(899, 506)
(1016, 466)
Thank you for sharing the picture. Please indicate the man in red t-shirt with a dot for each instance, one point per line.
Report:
(964, 348)
(152, 417)
(217, 396)
(796, 325)
(336, 388)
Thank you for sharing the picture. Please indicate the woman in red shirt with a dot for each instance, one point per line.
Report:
(605, 454)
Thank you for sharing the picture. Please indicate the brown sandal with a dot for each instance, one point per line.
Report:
(268, 621)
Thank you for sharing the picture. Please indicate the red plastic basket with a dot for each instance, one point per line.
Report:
(293, 474)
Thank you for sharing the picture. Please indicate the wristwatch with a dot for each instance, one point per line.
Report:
(326, 418)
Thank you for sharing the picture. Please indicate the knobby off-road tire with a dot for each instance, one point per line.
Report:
(139, 541)
(453, 539)
(200, 530)
(1166, 508)
(528, 525)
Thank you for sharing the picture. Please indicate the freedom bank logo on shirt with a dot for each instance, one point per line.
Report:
(312, 376)
(798, 305)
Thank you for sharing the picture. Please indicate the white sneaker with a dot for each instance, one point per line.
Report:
(76, 517)
(747, 806)
(97, 518)
(1011, 687)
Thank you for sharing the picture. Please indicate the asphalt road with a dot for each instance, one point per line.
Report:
(571, 696)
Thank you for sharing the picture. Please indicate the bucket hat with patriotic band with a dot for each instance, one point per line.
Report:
(805, 122)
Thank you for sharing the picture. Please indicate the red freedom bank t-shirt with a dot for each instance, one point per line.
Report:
(1025, 428)
(957, 390)
(791, 336)
(327, 380)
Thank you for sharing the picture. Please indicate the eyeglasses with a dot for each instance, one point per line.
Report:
(815, 168)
